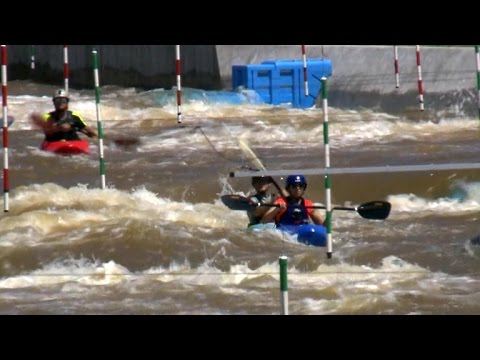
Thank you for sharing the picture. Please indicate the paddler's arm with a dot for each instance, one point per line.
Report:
(87, 130)
(258, 211)
(42, 122)
(317, 217)
(81, 125)
(272, 212)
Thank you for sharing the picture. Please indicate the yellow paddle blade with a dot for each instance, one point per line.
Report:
(250, 155)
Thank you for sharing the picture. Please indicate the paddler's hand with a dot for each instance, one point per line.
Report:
(254, 201)
(37, 120)
(46, 125)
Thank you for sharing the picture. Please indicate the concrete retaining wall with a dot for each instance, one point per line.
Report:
(145, 66)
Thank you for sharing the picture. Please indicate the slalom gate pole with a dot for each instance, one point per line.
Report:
(99, 119)
(420, 80)
(283, 261)
(32, 57)
(65, 66)
(395, 63)
(179, 84)
(305, 77)
(328, 197)
(6, 180)
(478, 77)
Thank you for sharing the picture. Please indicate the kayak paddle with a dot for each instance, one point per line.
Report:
(374, 210)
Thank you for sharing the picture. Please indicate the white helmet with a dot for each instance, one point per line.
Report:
(60, 93)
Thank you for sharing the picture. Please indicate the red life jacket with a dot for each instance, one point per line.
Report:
(294, 214)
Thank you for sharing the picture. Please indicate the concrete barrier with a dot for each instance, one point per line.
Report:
(144, 66)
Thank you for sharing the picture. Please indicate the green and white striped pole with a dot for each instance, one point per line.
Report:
(478, 78)
(99, 120)
(283, 261)
(328, 197)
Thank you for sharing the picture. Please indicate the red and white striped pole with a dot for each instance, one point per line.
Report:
(65, 66)
(6, 182)
(477, 58)
(179, 84)
(395, 61)
(420, 81)
(305, 78)
(32, 57)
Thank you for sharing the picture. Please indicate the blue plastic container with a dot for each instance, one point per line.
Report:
(281, 81)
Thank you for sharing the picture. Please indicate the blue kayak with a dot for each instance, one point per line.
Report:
(309, 234)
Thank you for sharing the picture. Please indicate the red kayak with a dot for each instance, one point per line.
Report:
(67, 146)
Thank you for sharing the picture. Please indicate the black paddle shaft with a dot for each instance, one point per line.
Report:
(373, 210)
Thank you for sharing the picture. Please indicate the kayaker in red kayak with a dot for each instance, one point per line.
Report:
(62, 124)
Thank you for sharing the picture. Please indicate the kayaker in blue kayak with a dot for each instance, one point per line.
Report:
(62, 124)
(293, 209)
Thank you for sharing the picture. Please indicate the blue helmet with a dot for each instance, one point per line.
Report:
(296, 180)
